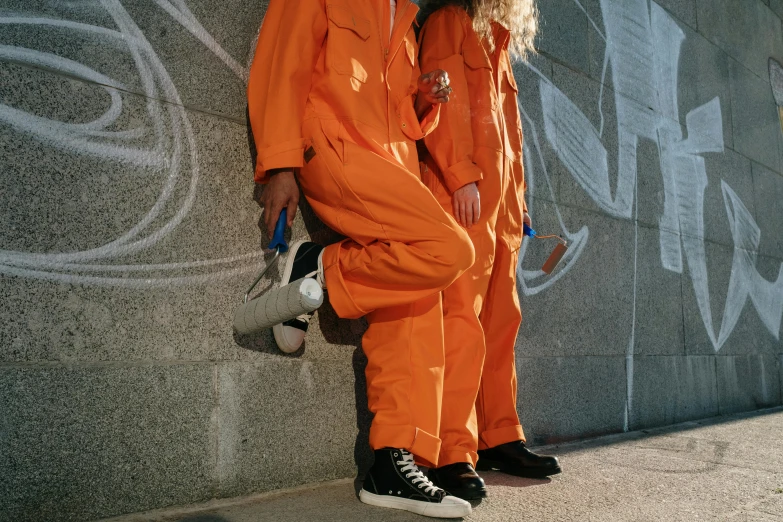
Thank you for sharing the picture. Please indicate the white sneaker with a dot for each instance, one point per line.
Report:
(304, 259)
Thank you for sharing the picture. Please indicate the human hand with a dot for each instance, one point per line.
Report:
(467, 205)
(281, 192)
(434, 87)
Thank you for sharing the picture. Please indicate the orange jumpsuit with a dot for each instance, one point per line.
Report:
(479, 139)
(331, 93)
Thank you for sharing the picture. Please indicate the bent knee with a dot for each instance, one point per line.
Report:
(464, 253)
(459, 254)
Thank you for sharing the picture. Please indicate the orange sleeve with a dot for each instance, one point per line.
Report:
(524, 179)
(451, 142)
(289, 44)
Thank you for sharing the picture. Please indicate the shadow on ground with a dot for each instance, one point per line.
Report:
(204, 518)
(496, 478)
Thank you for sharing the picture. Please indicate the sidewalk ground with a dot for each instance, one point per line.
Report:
(726, 468)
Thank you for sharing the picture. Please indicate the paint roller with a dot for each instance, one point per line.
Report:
(556, 255)
(280, 304)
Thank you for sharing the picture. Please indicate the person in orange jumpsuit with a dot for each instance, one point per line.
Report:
(337, 101)
(473, 166)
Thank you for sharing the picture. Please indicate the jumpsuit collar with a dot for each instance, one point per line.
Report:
(406, 14)
(502, 36)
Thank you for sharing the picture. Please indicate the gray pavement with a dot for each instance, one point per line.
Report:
(725, 468)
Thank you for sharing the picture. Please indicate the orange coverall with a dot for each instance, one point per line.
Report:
(332, 94)
(479, 139)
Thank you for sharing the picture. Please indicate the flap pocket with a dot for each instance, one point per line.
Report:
(342, 17)
(512, 82)
(410, 50)
(475, 57)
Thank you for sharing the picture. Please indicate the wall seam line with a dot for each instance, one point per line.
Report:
(189, 108)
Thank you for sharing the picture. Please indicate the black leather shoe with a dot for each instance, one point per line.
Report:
(460, 480)
(515, 459)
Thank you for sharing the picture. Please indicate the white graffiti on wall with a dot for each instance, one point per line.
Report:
(174, 154)
(643, 48)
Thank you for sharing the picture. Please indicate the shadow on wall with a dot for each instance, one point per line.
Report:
(362, 453)
(345, 332)
(334, 330)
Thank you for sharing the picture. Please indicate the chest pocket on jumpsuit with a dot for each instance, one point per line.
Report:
(347, 48)
(479, 74)
(484, 100)
(512, 113)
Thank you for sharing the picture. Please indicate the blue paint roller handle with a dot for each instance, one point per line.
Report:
(277, 244)
(278, 241)
(527, 231)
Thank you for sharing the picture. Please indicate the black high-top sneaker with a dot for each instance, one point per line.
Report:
(303, 260)
(394, 481)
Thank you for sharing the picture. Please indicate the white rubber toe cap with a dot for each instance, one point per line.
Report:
(448, 499)
(449, 507)
(288, 339)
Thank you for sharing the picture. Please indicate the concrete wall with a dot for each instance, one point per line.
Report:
(129, 234)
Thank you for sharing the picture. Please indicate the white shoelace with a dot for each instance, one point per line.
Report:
(318, 274)
(413, 472)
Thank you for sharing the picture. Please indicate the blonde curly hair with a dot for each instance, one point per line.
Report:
(520, 17)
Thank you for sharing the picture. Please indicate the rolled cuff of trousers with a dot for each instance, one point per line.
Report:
(498, 436)
(455, 455)
(423, 445)
(339, 297)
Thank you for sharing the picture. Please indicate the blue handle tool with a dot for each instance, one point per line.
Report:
(278, 241)
(527, 231)
(278, 245)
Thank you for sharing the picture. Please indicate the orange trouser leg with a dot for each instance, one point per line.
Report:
(464, 347)
(403, 250)
(404, 348)
(496, 406)
(463, 333)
